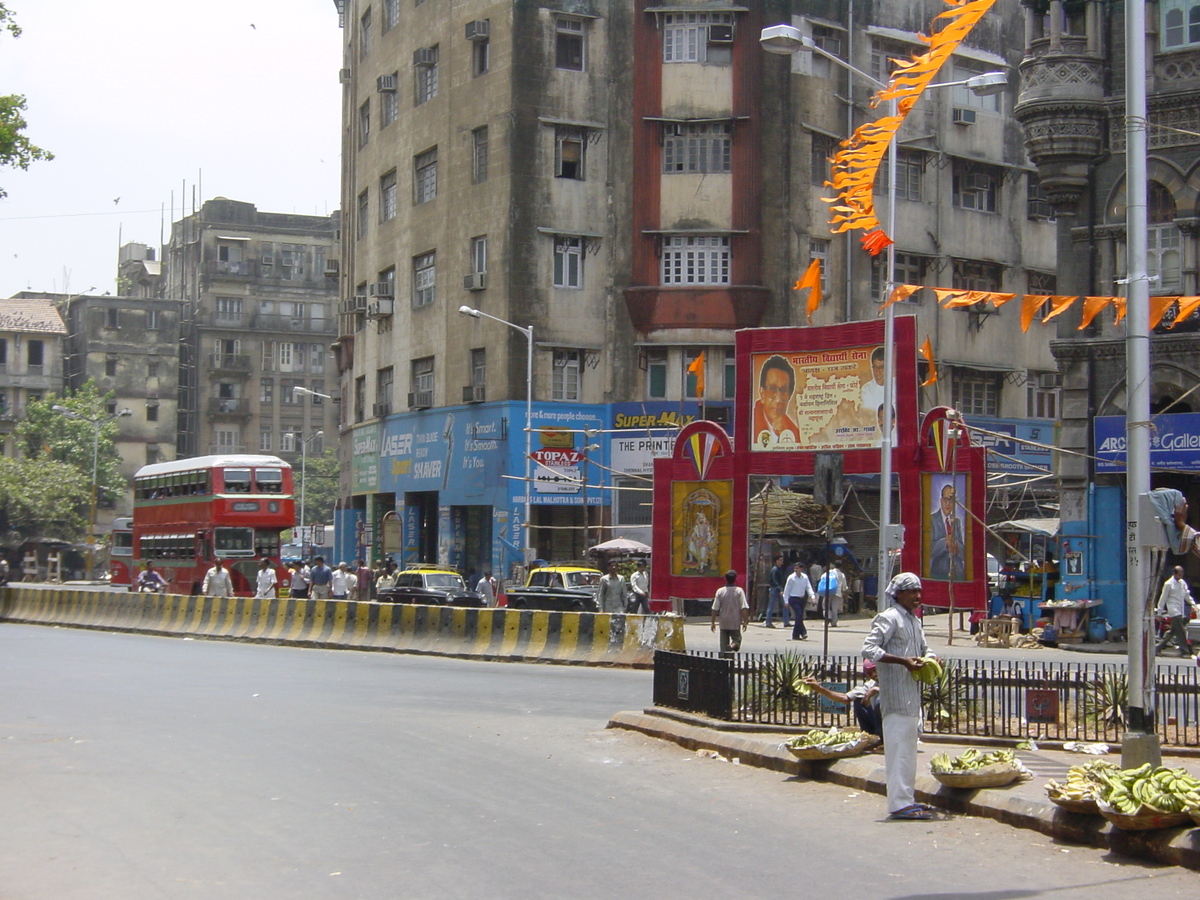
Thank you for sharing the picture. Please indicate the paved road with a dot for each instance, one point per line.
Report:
(142, 767)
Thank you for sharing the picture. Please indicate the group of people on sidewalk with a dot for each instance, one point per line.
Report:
(792, 592)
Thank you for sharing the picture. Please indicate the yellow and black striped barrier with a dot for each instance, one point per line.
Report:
(513, 634)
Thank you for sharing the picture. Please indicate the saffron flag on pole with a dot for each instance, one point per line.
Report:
(697, 368)
(927, 352)
(811, 279)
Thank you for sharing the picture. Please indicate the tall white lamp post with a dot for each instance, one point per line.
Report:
(96, 424)
(788, 40)
(304, 442)
(526, 330)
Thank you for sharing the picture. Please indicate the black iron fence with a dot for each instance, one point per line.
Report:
(1061, 701)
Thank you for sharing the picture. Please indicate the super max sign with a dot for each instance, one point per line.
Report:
(1174, 442)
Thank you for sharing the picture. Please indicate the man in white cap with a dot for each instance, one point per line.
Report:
(897, 644)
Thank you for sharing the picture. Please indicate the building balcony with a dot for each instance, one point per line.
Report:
(231, 362)
(229, 408)
(267, 322)
(226, 448)
(696, 306)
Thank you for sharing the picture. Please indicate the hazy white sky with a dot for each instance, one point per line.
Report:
(138, 97)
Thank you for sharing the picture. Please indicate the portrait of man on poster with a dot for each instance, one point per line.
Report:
(947, 531)
(774, 428)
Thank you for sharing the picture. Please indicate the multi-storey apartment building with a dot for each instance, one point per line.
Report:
(32, 334)
(625, 183)
(257, 294)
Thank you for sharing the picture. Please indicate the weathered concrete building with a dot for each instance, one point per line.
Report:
(256, 292)
(633, 181)
(32, 335)
(1072, 107)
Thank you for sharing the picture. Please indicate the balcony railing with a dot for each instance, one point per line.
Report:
(272, 322)
(231, 362)
(226, 448)
(225, 406)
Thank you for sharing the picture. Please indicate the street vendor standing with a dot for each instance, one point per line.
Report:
(897, 645)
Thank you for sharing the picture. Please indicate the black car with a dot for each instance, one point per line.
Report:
(431, 586)
(564, 588)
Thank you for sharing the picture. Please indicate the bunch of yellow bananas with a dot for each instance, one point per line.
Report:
(1083, 782)
(930, 672)
(833, 739)
(1159, 789)
(969, 760)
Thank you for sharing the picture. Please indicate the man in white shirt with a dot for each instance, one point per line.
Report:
(797, 591)
(639, 587)
(1176, 602)
(217, 582)
(487, 587)
(265, 582)
(340, 583)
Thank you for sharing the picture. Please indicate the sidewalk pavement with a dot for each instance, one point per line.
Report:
(1023, 804)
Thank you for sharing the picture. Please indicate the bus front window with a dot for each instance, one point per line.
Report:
(233, 542)
(267, 543)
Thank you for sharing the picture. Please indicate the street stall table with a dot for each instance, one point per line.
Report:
(1070, 618)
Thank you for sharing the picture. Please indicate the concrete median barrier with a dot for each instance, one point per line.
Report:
(513, 634)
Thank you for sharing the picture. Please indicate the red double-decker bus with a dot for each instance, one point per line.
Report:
(120, 552)
(232, 507)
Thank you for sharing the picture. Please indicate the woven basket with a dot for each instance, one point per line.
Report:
(1083, 807)
(819, 752)
(986, 777)
(1144, 819)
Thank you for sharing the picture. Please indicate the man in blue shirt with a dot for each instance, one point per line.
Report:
(320, 578)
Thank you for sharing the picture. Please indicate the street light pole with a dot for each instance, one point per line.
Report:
(304, 442)
(787, 40)
(526, 330)
(96, 426)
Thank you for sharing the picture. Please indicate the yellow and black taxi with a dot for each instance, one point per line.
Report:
(568, 588)
(432, 586)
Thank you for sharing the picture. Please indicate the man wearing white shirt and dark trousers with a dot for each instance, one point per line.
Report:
(797, 591)
(639, 587)
(1176, 602)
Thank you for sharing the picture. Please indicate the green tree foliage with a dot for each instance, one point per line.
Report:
(15, 148)
(52, 435)
(322, 492)
(42, 498)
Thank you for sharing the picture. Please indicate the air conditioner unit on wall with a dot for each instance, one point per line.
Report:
(381, 307)
(1049, 380)
(426, 56)
(386, 84)
(473, 393)
(720, 34)
(344, 76)
(331, 268)
(476, 281)
(382, 289)
(478, 31)
(359, 303)
(963, 116)
(420, 399)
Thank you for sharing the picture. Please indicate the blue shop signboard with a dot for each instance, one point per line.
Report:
(1174, 442)
(455, 452)
(1007, 443)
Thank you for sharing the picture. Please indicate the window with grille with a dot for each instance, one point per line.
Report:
(1037, 204)
(823, 149)
(697, 146)
(972, 275)
(695, 259)
(910, 269)
(975, 186)
(565, 382)
(568, 261)
(569, 43)
(383, 385)
(687, 37)
(425, 176)
(360, 397)
(427, 74)
(910, 173)
(389, 105)
(963, 96)
(229, 311)
(1041, 283)
(422, 375)
(363, 208)
(479, 154)
(569, 145)
(479, 367)
(883, 52)
(387, 196)
(424, 279)
(266, 391)
(976, 395)
(1164, 243)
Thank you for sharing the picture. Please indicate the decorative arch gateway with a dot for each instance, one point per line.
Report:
(803, 391)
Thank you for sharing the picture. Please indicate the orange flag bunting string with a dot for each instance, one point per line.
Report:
(1092, 307)
(1158, 309)
(1030, 305)
(1058, 306)
(1187, 306)
(927, 352)
(811, 279)
(856, 164)
(899, 293)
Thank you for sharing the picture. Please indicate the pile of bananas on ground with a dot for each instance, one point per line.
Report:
(1162, 790)
(970, 760)
(1083, 783)
(829, 741)
(928, 673)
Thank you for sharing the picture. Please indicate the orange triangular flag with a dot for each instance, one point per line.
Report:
(697, 368)
(1091, 308)
(1187, 306)
(1030, 304)
(927, 352)
(998, 300)
(900, 292)
(811, 279)
(1119, 303)
(1058, 306)
(1158, 309)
